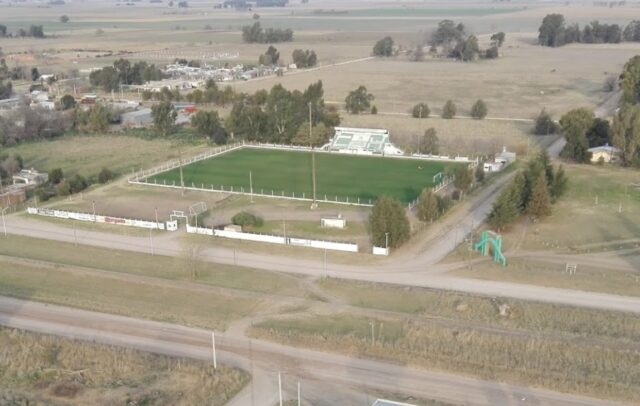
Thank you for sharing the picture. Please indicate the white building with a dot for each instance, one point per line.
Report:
(605, 153)
(500, 161)
(362, 141)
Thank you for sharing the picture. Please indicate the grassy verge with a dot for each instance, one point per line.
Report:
(185, 267)
(518, 315)
(40, 369)
(563, 365)
(546, 274)
(111, 295)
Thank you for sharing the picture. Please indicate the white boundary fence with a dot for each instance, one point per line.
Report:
(142, 177)
(274, 239)
(63, 214)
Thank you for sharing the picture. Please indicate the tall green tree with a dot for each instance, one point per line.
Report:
(479, 110)
(560, 184)
(388, 217)
(359, 100)
(630, 81)
(498, 38)
(544, 124)
(505, 209)
(421, 110)
(626, 134)
(539, 203)
(574, 126)
(428, 143)
(164, 117)
(449, 110)
(428, 206)
(463, 178)
(206, 123)
(384, 47)
(551, 31)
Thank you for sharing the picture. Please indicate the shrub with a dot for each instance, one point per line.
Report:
(105, 175)
(247, 220)
(421, 110)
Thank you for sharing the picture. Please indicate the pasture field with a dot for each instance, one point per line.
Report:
(40, 369)
(344, 176)
(88, 154)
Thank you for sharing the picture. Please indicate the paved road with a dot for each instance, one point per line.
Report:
(322, 375)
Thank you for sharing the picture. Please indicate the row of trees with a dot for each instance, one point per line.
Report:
(302, 58)
(479, 110)
(554, 32)
(59, 185)
(454, 42)
(32, 124)
(531, 192)
(256, 34)
(123, 72)
(281, 116)
(451, 39)
(35, 31)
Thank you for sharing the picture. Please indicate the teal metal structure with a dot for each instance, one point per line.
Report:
(491, 240)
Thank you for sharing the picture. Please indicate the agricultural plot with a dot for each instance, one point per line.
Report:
(289, 173)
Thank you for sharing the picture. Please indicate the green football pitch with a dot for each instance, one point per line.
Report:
(337, 175)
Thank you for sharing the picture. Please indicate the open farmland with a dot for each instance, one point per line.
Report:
(341, 176)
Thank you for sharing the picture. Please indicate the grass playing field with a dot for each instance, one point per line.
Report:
(344, 176)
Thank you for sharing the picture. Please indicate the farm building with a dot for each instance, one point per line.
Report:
(500, 161)
(30, 177)
(362, 141)
(604, 153)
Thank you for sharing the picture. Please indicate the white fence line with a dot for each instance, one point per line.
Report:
(274, 195)
(141, 175)
(274, 239)
(96, 218)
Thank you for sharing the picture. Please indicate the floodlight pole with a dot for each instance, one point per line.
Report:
(313, 159)
(181, 176)
(251, 185)
(4, 225)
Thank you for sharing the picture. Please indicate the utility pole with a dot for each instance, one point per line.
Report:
(151, 242)
(4, 225)
(280, 387)
(156, 210)
(213, 346)
(298, 393)
(93, 203)
(313, 159)
(325, 262)
(251, 186)
(372, 333)
(181, 176)
(386, 242)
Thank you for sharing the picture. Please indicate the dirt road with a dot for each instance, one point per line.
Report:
(326, 378)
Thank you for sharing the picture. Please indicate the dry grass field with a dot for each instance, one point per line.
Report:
(38, 369)
(87, 155)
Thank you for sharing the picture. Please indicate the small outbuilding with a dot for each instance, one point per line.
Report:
(333, 222)
(30, 177)
(605, 153)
